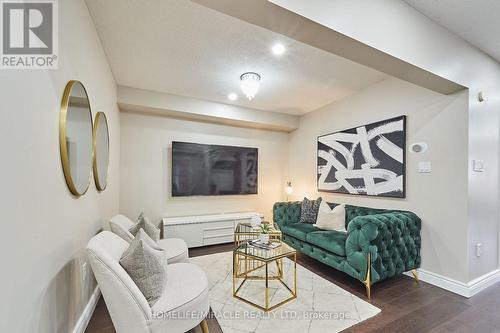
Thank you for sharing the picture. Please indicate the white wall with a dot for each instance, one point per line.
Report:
(146, 142)
(439, 198)
(44, 228)
(395, 28)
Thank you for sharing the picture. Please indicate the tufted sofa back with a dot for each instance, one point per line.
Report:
(351, 212)
(289, 212)
(286, 212)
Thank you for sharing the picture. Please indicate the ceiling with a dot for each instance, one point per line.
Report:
(179, 47)
(478, 22)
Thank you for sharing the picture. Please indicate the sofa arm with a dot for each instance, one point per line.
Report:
(392, 239)
(286, 212)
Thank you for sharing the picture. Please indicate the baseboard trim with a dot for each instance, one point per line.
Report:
(84, 319)
(484, 282)
(468, 289)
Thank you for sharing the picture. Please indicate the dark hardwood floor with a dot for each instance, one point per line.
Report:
(406, 306)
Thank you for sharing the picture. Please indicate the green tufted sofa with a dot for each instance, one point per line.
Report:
(378, 245)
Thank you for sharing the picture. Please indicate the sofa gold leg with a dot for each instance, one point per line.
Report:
(368, 291)
(204, 326)
(415, 275)
(368, 280)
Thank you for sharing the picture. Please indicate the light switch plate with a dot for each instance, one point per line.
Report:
(479, 249)
(424, 167)
(478, 165)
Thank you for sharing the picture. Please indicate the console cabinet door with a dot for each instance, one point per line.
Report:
(191, 233)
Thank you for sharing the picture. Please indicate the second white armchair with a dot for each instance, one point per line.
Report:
(175, 248)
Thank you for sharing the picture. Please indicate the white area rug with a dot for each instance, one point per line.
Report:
(321, 306)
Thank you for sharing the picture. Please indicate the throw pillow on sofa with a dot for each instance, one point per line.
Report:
(331, 219)
(150, 229)
(309, 210)
(146, 267)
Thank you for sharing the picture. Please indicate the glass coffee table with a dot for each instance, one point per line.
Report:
(249, 259)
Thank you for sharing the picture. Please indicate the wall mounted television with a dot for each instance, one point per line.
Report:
(200, 169)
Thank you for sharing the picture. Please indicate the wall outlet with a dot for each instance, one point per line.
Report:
(424, 167)
(479, 249)
(84, 273)
(478, 165)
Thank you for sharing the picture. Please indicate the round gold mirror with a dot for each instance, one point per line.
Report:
(101, 151)
(75, 137)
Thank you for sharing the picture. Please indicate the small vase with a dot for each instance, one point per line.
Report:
(264, 238)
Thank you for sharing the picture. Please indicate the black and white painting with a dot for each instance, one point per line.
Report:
(365, 160)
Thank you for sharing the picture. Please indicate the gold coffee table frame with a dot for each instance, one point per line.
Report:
(243, 233)
(250, 253)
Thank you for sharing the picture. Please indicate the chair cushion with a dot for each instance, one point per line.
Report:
(146, 266)
(186, 293)
(309, 210)
(175, 249)
(299, 230)
(332, 241)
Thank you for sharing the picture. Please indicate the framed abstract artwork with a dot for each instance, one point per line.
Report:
(365, 160)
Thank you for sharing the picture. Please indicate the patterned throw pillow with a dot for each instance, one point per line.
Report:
(309, 210)
(148, 240)
(146, 267)
(150, 229)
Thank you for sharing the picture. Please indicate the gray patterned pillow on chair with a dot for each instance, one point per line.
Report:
(309, 210)
(146, 267)
(148, 227)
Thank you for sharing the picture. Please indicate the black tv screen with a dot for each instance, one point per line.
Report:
(199, 169)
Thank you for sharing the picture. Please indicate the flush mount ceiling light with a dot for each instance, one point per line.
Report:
(250, 82)
(278, 49)
(232, 97)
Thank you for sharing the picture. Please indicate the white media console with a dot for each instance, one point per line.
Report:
(204, 230)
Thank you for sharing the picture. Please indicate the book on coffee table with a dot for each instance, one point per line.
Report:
(269, 246)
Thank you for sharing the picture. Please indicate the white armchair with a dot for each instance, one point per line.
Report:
(175, 248)
(182, 306)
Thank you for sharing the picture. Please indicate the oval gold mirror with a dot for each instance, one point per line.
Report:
(101, 151)
(75, 137)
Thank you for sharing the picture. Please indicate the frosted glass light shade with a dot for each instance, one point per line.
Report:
(250, 83)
